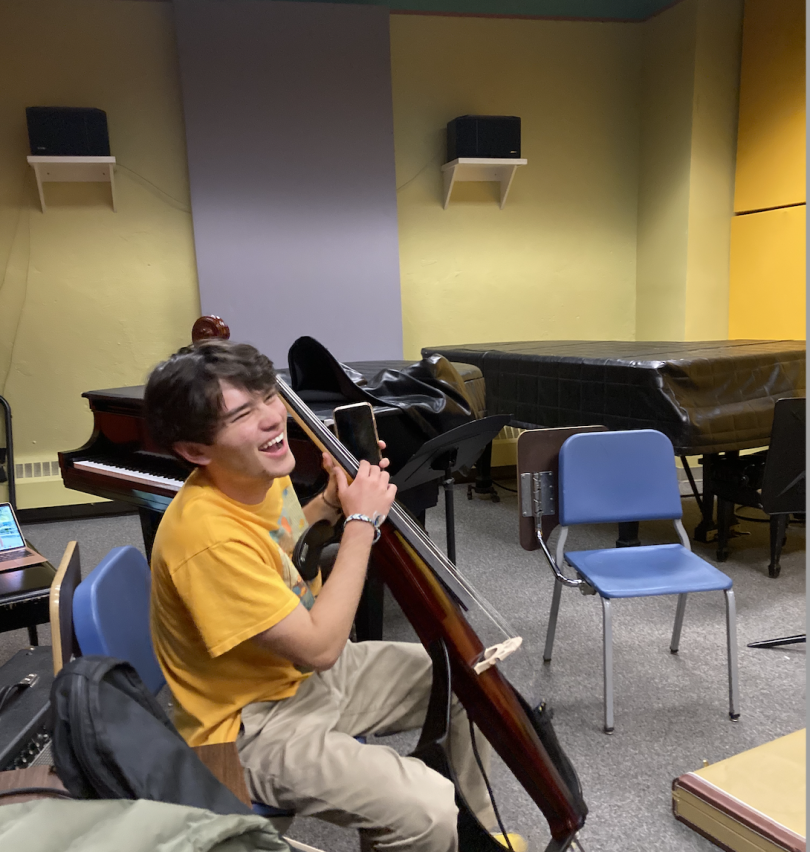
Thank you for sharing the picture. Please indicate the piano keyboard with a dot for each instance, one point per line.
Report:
(129, 474)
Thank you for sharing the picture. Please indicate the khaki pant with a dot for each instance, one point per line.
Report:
(300, 753)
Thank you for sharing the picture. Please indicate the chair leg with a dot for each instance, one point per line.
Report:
(552, 621)
(733, 680)
(676, 630)
(32, 634)
(778, 530)
(607, 622)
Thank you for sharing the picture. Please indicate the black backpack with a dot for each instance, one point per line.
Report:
(112, 740)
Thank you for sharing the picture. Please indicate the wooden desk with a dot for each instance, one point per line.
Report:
(24, 595)
(222, 759)
(31, 776)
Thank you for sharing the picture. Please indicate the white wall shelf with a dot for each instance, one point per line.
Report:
(73, 169)
(480, 169)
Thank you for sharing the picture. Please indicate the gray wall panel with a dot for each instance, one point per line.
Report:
(290, 138)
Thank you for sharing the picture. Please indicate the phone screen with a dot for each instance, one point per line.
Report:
(357, 431)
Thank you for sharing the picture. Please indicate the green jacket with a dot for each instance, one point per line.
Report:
(122, 825)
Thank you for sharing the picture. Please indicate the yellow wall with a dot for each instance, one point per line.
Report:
(559, 260)
(771, 142)
(711, 178)
(690, 77)
(768, 272)
(767, 297)
(665, 160)
(624, 128)
(89, 298)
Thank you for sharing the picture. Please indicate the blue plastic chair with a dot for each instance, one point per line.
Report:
(111, 613)
(111, 617)
(610, 477)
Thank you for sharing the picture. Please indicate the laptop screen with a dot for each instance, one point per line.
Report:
(10, 535)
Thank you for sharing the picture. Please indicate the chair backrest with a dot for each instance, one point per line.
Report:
(111, 613)
(60, 607)
(608, 477)
(783, 482)
(538, 451)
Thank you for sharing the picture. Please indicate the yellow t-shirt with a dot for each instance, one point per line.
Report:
(221, 574)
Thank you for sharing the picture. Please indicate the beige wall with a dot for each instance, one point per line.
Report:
(668, 72)
(690, 82)
(711, 178)
(89, 298)
(559, 260)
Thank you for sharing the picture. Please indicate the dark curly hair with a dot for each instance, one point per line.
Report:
(183, 397)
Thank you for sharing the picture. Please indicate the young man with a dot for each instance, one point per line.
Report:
(254, 654)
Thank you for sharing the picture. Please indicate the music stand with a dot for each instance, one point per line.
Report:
(442, 456)
(783, 486)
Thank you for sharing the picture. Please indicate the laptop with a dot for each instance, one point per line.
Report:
(14, 552)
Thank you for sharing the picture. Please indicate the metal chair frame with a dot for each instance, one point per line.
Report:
(674, 645)
(541, 495)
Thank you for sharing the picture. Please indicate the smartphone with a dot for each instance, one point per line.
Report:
(357, 430)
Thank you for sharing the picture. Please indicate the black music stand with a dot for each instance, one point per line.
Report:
(442, 456)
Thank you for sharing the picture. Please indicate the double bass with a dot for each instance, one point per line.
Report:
(434, 597)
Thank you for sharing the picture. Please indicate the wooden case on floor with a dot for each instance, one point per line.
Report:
(752, 802)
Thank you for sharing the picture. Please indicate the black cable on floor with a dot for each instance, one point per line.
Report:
(505, 488)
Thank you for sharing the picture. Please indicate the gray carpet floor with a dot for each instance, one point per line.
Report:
(671, 710)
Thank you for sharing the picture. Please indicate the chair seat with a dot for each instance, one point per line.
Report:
(661, 569)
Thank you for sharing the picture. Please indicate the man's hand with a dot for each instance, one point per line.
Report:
(330, 496)
(370, 491)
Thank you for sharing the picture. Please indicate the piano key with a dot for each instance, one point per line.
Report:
(128, 474)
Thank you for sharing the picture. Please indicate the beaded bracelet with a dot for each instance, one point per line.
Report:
(376, 522)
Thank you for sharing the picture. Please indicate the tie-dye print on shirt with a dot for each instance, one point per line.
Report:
(291, 523)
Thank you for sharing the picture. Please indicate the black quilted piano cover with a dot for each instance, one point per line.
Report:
(707, 397)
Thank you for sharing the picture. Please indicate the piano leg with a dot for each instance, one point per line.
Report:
(149, 524)
(707, 523)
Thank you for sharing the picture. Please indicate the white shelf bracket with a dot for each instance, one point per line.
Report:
(73, 169)
(501, 171)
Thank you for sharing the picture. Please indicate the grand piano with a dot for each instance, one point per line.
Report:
(710, 398)
(121, 462)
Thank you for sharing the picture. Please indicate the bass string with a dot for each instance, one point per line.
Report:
(487, 608)
(404, 522)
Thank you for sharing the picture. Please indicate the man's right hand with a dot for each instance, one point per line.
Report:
(370, 491)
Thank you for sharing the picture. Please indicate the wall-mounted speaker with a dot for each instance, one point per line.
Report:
(67, 131)
(483, 136)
